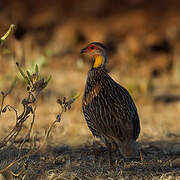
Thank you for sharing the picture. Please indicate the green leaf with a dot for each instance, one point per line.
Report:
(7, 33)
(48, 79)
(22, 74)
(39, 76)
(37, 70)
(76, 96)
(29, 76)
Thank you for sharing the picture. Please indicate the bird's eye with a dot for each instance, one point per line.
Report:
(92, 47)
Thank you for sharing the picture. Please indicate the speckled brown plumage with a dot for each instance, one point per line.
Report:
(110, 111)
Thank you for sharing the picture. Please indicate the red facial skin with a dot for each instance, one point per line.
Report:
(89, 49)
(92, 48)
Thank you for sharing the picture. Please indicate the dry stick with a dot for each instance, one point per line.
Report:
(33, 119)
(31, 152)
(19, 173)
(30, 129)
(22, 118)
(14, 136)
(5, 140)
(49, 130)
(7, 93)
(9, 136)
(2, 102)
(14, 133)
(16, 128)
(17, 160)
(64, 107)
(11, 107)
(37, 87)
(19, 122)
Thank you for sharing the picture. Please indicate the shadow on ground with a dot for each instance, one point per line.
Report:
(160, 159)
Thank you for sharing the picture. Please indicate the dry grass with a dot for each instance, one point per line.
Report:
(151, 77)
(69, 153)
(79, 163)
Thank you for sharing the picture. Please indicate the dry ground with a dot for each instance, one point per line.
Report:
(69, 153)
(143, 56)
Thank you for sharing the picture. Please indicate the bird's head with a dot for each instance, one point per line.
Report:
(97, 51)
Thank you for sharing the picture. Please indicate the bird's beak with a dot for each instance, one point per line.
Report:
(83, 51)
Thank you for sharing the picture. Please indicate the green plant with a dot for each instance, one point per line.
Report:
(3, 38)
(35, 83)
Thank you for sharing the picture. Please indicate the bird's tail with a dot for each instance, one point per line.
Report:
(130, 149)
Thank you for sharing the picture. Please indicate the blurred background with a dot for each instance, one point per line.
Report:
(143, 41)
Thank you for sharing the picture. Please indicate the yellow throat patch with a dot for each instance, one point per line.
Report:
(98, 61)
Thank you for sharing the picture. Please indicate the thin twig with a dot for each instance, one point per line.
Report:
(2, 102)
(30, 130)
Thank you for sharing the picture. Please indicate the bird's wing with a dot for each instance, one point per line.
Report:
(89, 117)
(124, 110)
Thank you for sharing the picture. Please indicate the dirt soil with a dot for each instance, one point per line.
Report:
(144, 56)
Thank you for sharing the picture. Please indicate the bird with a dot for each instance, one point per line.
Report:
(108, 108)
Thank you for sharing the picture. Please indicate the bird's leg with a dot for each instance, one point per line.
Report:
(98, 150)
(130, 150)
(109, 146)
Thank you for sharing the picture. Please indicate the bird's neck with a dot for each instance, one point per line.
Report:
(99, 61)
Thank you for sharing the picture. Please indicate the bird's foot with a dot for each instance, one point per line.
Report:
(130, 159)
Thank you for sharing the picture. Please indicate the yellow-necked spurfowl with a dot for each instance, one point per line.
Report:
(108, 107)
